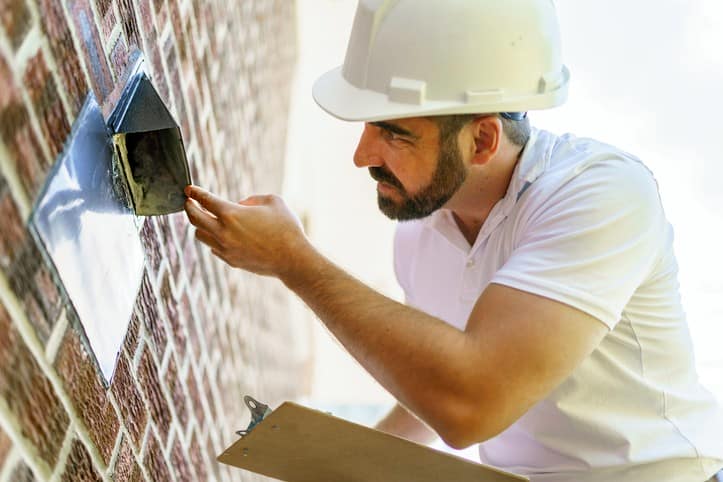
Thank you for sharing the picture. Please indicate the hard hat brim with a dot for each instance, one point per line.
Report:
(333, 93)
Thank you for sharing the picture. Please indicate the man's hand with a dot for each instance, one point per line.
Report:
(258, 234)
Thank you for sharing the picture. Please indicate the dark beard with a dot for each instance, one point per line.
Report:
(448, 177)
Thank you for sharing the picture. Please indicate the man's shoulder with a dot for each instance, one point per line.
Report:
(569, 151)
(573, 160)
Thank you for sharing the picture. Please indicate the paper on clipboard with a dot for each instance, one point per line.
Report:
(297, 444)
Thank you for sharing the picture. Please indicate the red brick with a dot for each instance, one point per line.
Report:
(92, 47)
(190, 257)
(119, 57)
(130, 403)
(199, 75)
(82, 382)
(79, 466)
(209, 23)
(178, 29)
(40, 85)
(180, 104)
(103, 7)
(189, 321)
(176, 324)
(212, 452)
(17, 134)
(180, 225)
(47, 290)
(205, 271)
(175, 388)
(169, 52)
(130, 342)
(161, 13)
(150, 383)
(159, 78)
(198, 461)
(198, 6)
(130, 24)
(206, 380)
(30, 281)
(12, 235)
(16, 19)
(29, 394)
(146, 20)
(185, 57)
(186, 120)
(126, 468)
(151, 246)
(196, 399)
(107, 16)
(21, 473)
(47, 294)
(8, 88)
(60, 39)
(154, 462)
(37, 319)
(5, 446)
(180, 462)
(147, 307)
(170, 246)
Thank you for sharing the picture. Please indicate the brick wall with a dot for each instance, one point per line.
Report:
(201, 335)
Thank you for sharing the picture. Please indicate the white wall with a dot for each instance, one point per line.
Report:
(647, 75)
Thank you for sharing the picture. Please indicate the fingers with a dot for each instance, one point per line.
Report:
(216, 248)
(208, 200)
(201, 218)
(207, 238)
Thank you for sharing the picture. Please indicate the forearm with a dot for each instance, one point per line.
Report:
(421, 360)
(403, 424)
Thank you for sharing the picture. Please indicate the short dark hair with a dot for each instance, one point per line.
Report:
(517, 131)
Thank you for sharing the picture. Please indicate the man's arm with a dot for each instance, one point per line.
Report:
(467, 386)
(404, 424)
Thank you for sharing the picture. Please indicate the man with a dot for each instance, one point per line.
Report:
(542, 319)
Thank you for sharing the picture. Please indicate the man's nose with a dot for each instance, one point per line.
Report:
(367, 152)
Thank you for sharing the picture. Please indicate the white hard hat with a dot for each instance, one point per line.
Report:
(409, 58)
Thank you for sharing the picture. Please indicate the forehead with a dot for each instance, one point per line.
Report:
(421, 127)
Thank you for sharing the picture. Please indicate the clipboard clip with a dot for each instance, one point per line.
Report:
(259, 411)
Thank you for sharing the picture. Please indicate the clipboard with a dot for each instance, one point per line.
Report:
(297, 444)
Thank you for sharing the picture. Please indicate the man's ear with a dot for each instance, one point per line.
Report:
(487, 133)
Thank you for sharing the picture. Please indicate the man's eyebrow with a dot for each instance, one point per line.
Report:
(393, 128)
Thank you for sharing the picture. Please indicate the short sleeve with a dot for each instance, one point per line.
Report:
(592, 242)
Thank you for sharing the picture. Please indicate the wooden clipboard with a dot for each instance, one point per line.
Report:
(297, 444)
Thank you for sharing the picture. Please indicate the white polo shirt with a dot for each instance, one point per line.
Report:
(582, 224)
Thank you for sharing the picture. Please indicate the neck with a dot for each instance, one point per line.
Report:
(484, 187)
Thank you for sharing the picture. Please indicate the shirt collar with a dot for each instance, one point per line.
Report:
(534, 160)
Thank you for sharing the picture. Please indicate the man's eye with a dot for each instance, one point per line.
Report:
(391, 136)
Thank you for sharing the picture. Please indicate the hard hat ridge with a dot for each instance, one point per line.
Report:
(427, 57)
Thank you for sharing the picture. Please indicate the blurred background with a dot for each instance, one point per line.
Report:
(647, 76)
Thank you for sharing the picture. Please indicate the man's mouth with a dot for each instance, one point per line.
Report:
(383, 187)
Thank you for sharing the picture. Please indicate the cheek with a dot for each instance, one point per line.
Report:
(415, 177)
(405, 174)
